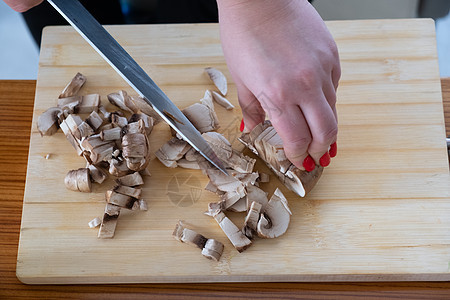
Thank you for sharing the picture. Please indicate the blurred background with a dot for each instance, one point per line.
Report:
(19, 54)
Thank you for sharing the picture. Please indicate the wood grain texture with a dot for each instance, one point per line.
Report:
(12, 182)
(392, 171)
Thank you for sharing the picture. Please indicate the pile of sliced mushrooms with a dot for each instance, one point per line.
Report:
(112, 143)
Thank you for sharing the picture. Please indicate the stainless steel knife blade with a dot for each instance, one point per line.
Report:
(97, 36)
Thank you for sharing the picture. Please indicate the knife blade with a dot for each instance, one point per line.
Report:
(97, 36)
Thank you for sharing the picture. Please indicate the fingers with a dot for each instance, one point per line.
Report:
(252, 111)
(323, 126)
(293, 129)
(23, 5)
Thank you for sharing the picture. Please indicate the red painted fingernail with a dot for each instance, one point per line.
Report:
(309, 164)
(241, 128)
(325, 160)
(333, 150)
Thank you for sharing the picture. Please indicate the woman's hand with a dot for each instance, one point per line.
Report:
(285, 64)
(22, 5)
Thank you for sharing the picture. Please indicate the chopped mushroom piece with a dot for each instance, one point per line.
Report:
(120, 200)
(133, 179)
(264, 141)
(73, 86)
(109, 222)
(95, 222)
(172, 151)
(251, 220)
(97, 174)
(136, 151)
(94, 120)
(221, 100)
(89, 103)
(123, 101)
(202, 115)
(48, 121)
(277, 215)
(236, 237)
(78, 180)
(118, 168)
(148, 122)
(111, 134)
(220, 81)
(129, 191)
(69, 104)
(211, 248)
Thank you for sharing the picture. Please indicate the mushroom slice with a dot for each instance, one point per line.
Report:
(264, 141)
(103, 152)
(202, 117)
(94, 120)
(135, 150)
(118, 121)
(95, 222)
(109, 222)
(120, 200)
(277, 215)
(220, 81)
(69, 104)
(144, 107)
(118, 168)
(239, 206)
(184, 163)
(72, 140)
(133, 179)
(221, 100)
(111, 134)
(73, 86)
(236, 237)
(123, 101)
(72, 122)
(208, 101)
(129, 191)
(97, 174)
(211, 248)
(252, 218)
(78, 180)
(172, 151)
(85, 130)
(148, 121)
(255, 194)
(48, 121)
(88, 104)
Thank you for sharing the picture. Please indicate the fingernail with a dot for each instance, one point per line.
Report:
(333, 150)
(325, 160)
(309, 164)
(241, 128)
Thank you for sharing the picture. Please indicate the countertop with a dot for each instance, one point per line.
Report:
(16, 108)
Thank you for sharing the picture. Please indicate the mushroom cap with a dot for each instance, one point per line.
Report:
(277, 215)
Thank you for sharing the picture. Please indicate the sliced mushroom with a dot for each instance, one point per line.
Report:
(97, 174)
(252, 218)
(136, 151)
(123, 101)
(109, 221)
(220, 81)
(69, 104)
(95, 222)
(89, 103)
(202, 117)
(133, 179)
(264, 141)
(129, 191)
(73, 86)
(221, 100)
(120, 200)
(111, 134)
(211, 248)
(118, 168)
(48, 121)
(277, 215)
(172, 151)
(85, 130)
(236, 237)
(255, 194)
(78, 180)
(148, 122)
(94, 120)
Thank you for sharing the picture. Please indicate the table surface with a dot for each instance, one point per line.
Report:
(16, 109)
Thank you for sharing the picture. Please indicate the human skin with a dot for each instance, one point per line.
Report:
(22, 5)
(285, 64)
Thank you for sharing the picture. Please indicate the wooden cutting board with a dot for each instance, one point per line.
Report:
(381, 211)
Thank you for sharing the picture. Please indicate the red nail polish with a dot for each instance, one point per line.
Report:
(241, 128)
(309, 164)
(325, 159)
(333, 150)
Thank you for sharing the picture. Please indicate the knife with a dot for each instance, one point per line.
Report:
(97, 36)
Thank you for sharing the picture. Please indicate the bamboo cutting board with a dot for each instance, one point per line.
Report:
(381, 211)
